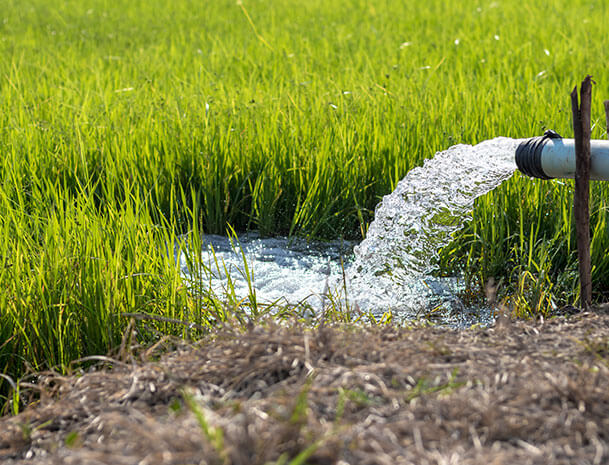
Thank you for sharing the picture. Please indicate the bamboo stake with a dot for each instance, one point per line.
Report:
(581, 129)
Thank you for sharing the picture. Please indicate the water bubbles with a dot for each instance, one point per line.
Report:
(289, 271)
(393, 267)
(420, 216)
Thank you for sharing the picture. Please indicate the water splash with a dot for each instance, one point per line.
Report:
(395, 263)
(392, 269)
(429, 205)
(284, 271)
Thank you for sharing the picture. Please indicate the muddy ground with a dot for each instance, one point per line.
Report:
(518, 392)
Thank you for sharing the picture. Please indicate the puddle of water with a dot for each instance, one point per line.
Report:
(286, 271)
(392, 269)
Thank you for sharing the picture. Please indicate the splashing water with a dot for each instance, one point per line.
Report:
(395, 262)
(392, 268)
(284, 271)
(430, 204)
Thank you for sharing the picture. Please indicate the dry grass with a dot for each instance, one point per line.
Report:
(519, 392)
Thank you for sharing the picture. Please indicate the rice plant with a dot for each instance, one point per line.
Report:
(126, 127)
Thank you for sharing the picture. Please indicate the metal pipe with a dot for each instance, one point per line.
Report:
(550, 156)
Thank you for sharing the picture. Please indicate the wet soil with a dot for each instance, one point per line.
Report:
(517, 392)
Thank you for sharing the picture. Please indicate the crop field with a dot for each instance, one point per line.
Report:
(130, 128)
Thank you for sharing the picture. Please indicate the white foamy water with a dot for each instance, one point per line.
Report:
(399, 255)
(283, 271)
(392, 269)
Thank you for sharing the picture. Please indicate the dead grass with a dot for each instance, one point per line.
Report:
(519, 392)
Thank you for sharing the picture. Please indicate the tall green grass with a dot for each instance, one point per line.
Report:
(125, 124)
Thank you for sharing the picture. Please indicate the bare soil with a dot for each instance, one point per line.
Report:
(516, 393)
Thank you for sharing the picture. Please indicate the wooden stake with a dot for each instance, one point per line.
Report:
(606, 102)
(581, 129)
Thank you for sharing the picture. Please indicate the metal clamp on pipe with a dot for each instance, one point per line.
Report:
(550, 156)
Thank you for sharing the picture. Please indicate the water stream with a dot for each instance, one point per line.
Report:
(392, 269)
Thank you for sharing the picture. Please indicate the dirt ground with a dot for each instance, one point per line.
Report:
(516, 393)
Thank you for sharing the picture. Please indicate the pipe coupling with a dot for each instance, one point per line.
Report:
(528, 155)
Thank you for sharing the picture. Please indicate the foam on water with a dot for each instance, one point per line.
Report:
(392, 269)
(283, 271)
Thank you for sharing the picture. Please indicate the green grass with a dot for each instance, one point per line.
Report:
(124, 124)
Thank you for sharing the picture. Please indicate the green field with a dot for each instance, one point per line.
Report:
(128, 128)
